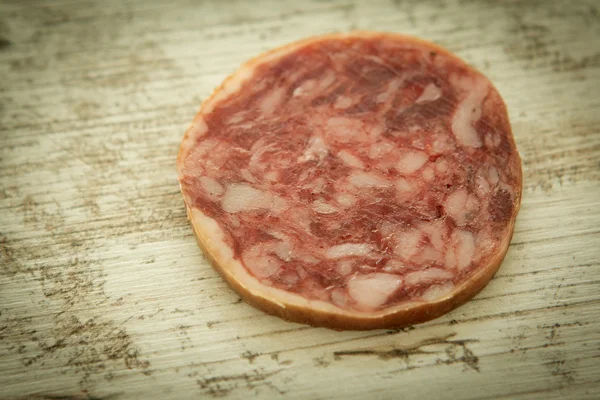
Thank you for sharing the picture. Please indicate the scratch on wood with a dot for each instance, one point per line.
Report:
(210, 324)
(5, 44)
(184, 337)
(321, 362)
(220, 386)
(10, 264)
(559, 368)
(467, 357)
(250, 356)
(81, 396)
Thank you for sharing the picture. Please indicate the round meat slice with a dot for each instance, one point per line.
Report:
(353, 181)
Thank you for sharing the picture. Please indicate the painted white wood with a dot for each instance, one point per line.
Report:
(104, 292)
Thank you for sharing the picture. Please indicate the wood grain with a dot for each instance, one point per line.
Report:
(104, 292)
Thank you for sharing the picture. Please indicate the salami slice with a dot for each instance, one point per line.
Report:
(353, 181)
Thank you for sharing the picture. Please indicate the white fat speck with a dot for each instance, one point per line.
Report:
(441, 144)
(306, 87)
(236, 118)
(497, 140)
(375, 131)
(343, 129)
(201, 127)
(344, 267)
(300, 217)
(339, 298)
(316, 150)
(482, 186)
(243, 197)
(389, 94)
(428, 255)
(283, 250)
(349, 250)
(345, 199)
(487, 140)
(321, 207)
(460, 204)
(309, 259)
(326, 81)
(407, 243)
(441, 165)
(411, 161)
(469, 110)
(272, 100)
(350, 160)
(436, 292)
(290, 278)
(316, 186)
(387, 229)
(372, 290)
(247, 175)
(279, 205)
(394, 266)
(368, 180)
(455, 205)
(427, 275)
(272, 176)
(435, 231)
(493, 175)
(211, 186)
(259, 262)
(380, 149)
(306, 172)
(342, 102)
(403, 185)
(428, 174)
(430, 93)
(461, 249)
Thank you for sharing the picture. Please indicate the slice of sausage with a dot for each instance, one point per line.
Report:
(353, 181)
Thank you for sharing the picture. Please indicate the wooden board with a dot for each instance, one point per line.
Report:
(104, 292)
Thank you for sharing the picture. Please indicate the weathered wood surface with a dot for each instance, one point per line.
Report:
(104, 292)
